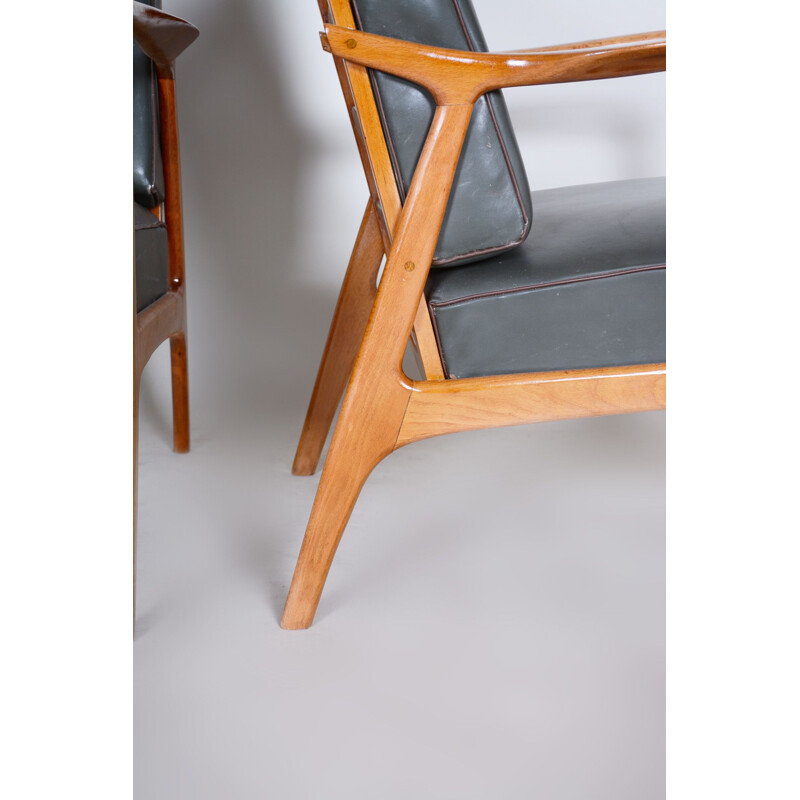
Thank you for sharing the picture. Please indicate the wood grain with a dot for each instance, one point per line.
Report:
(344, 338)
(176, 274)
(450, 406)
(157, 323)
(382, 409)
(458, 76)
(368, 132)
(378, 169)
(613, 41)
(425, 340)
(378, 392)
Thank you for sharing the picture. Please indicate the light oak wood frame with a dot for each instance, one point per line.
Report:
(163, 38)
(382, 408)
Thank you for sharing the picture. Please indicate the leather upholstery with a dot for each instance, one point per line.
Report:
(489, 209)
(151, 256)
(586, 289)
(148, 171)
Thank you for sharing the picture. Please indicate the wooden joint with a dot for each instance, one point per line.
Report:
(459, 404)
(459, 77)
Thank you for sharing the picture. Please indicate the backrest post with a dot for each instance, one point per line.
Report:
(363, 113)
(362, 110)
(173, 206)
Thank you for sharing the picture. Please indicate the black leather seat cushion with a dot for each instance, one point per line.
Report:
(151, 257)
(489, 207)
(586, 289)
(148, 169)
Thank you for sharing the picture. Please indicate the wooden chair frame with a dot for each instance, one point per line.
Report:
(382, 408)
(163, 38)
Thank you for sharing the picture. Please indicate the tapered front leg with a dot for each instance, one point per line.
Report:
(365, 433)
(180, 393)
(378, 393)
(347, 329)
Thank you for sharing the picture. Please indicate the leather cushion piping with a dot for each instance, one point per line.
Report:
(610, 235)
(486, 102)
(433, 304)
(490, 366)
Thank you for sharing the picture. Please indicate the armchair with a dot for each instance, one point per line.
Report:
(521, 307)
(159, 301)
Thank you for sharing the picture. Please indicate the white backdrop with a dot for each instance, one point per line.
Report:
(477, 639)
(259, 146)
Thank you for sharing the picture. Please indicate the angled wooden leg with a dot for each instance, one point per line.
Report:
(365, 433)
(378, 393)
(180, 393)
(347, 329)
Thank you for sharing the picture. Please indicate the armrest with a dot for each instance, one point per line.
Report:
(160, 35)
(614, 41)
(456, 77)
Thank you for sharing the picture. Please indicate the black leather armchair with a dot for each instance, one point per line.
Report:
(522, 307)
(159, 286)
(159, 282)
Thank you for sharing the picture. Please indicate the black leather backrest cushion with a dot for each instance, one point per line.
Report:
(148, 170)
(489, 209)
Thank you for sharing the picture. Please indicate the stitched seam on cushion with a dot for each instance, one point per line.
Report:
(444, 303)
(149, 227)
(443, 262)
(440, 262)
(525, 220)
(146, 226)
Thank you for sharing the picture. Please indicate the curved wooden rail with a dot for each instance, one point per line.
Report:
(456, 77)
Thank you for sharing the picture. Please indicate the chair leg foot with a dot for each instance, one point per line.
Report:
(338, 491)
(180, 393)
(366, 432)
(347, 330)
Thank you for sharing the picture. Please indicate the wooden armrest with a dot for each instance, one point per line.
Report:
(456, 77)
(614, 41)
(160, 35)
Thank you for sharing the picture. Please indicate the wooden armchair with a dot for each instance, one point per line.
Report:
(159, 290)
(521, 308)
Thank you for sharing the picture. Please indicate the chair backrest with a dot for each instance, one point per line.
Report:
(490, 208)
(148, 168)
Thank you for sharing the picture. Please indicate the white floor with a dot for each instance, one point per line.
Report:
(493, 624)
